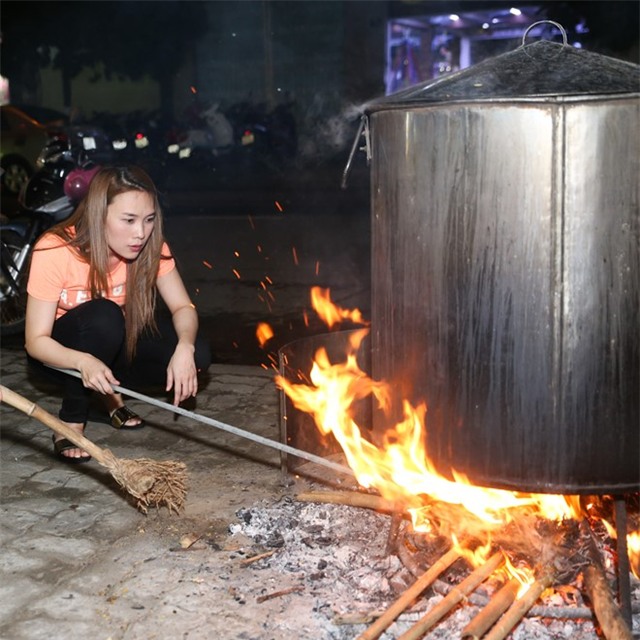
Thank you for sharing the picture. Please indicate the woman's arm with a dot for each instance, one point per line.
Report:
(41, 346)
(181, 372)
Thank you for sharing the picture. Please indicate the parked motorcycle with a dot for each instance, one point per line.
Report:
(49, 197)
(271, 135)
(210, 132)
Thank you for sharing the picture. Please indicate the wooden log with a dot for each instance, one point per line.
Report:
(500, 602)
(597, 590)
(394, 531)
(351, 498)
(453, 598)
(410, 595)
(261, 556)
(278, 594)
(608, 614)
(519, 608)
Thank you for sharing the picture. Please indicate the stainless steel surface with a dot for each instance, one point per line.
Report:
(506, 283)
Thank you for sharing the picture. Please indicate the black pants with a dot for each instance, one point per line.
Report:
(97, 327)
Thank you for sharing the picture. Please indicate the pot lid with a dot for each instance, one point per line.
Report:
(542, 69)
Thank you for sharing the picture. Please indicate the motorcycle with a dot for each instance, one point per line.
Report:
(50, 196)
(211, 134)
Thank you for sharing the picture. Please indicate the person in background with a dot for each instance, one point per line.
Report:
(91, 305)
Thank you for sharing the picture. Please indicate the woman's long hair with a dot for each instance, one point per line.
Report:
(85, 231)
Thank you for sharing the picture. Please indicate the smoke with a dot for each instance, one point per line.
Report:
(328, 127)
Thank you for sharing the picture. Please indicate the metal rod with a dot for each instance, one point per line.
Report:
(624, 583)
(354, 146)
(224, 427)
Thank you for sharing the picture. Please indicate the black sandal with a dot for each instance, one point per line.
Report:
(122, 415)
(60, 446)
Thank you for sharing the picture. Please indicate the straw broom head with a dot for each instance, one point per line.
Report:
(153, 483)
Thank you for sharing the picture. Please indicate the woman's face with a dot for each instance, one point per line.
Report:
(130, 220)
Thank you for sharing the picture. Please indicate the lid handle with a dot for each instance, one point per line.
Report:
(555, 24)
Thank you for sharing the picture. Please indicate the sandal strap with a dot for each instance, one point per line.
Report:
(121, 416)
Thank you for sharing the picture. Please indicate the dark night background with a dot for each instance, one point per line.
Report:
(288, 47)
(99, 62)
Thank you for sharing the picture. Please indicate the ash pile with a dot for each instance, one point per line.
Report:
(339, 570)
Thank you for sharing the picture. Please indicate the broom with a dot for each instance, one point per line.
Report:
(151, 482)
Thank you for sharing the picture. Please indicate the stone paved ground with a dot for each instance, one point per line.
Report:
(78, 558)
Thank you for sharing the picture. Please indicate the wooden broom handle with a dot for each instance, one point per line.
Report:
(17, 401)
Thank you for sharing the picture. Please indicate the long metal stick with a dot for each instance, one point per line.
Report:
(224, 427)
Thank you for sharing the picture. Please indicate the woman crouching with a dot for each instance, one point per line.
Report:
(91, 305)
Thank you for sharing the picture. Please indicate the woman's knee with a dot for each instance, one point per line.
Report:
(95, 324)
(106, 317)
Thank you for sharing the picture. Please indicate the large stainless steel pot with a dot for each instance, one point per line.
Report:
(506, 266)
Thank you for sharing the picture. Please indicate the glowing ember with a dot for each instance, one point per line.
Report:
(264, 333)
(400, 468)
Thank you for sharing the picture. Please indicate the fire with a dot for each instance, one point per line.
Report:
(400, 468)
(475, 557)
(524, 575)
(329, 313)
(633, 545)
(264, 333)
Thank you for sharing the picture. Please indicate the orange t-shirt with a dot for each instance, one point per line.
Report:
(58, 274)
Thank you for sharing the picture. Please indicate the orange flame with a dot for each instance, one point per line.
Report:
(400, 469)
(264, 333)
(475, 557)
(329, 313)
(633, 545)
(524, 575)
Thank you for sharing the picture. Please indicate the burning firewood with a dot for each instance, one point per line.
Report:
(455, 596)
(410, 594)
(518, 610)
(394, 531)
(496, 607)
(607, 613)
(151, 482)
(595, 583)
(351, 498)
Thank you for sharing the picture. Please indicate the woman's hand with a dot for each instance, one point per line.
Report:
(96, 375)
(40, 345)
(182, 374)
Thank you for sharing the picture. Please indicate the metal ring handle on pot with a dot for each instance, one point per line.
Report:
(565, 41)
